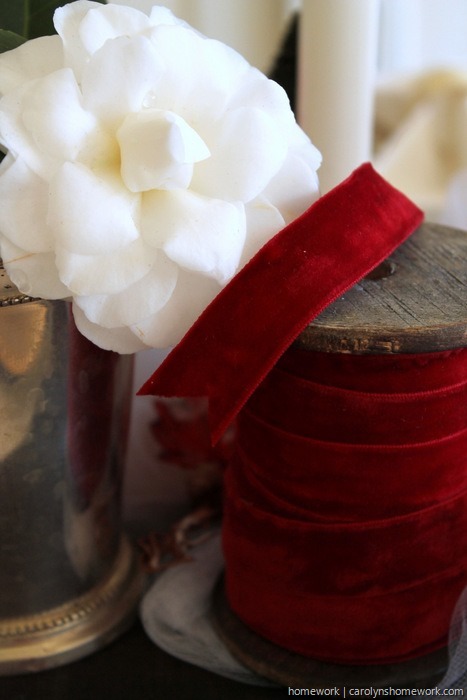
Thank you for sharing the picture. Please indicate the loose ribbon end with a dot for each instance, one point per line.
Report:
(242, 333)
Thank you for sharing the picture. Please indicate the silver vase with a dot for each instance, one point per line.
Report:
(69, 579)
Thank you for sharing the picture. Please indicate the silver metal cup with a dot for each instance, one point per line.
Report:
(69, 580)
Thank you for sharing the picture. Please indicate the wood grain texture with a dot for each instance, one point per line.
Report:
(416, 301)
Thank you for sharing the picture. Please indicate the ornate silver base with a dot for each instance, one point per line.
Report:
(77, 628)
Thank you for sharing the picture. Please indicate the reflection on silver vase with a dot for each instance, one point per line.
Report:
(69, 580)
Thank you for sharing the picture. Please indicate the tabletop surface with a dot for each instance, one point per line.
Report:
(130, 668)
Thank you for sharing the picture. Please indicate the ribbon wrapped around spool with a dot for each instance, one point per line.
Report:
(347, 491)
(351, 470)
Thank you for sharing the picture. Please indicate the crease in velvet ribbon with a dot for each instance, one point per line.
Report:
(345, 520)
(240, 336)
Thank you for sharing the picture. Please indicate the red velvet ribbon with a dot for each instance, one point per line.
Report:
(345, 518)
(345, 523)
(90, 395)
(243, 332)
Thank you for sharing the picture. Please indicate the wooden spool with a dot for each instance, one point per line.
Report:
(414, 302)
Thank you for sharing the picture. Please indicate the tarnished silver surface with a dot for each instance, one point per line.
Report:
(64, 409)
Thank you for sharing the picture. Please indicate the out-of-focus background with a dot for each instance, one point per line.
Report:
(414, 34)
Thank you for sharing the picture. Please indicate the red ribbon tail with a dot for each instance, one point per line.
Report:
(240, 336)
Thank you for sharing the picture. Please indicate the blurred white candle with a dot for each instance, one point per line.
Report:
(336, 77)
(252, 27)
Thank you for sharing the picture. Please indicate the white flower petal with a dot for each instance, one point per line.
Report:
(108, 22)
(162, 15)
(105, 274)
(261, 93)
(145, 164)
(33, 273)
(300, 145)
(91, 215)
(247, 152)
(85, 26)
(118, 78)
(294, 188)
(99, 150)
(263, 222)
(120, 340)
(31, 60)
(23, 208)
(167, 327)
(135, 303)
(16, 138)
(199, 75)
(67, 22)
(158, 149)
(53, 115)
(205, 235)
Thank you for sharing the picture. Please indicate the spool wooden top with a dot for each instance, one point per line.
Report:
(415, 301)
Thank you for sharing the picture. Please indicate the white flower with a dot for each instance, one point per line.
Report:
(145, 165)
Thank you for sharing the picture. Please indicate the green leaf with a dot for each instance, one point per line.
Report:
(10, 40)
(30, 18)
(40, 17)
(12, 16)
